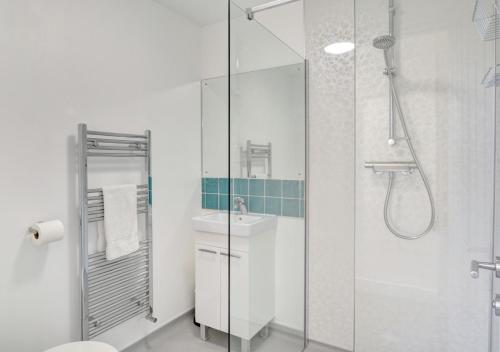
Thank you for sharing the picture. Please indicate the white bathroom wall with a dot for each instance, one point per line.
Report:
(214, 46)
(128, 66)
(287, 24)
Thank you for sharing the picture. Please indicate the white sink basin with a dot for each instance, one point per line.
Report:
(241, 225)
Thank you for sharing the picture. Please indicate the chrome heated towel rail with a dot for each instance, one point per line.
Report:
(117, 290)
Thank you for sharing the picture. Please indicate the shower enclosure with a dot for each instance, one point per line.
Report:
(419, 295)
(410, 117)
(401, 134)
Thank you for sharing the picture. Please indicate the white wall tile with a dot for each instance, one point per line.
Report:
(331, 178)
(418, 295)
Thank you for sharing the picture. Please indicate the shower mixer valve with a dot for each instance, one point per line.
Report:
(475, 266)
(401, 167)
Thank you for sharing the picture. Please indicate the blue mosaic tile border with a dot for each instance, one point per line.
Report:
(274, 197)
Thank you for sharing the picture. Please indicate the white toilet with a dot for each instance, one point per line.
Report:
(83, 346)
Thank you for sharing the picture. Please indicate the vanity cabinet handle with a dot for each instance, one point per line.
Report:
(231, 255)
(207, 251)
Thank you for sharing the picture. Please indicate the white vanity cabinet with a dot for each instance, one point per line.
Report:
(240, 285)
(251, 281)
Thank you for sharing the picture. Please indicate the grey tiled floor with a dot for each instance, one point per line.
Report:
(183, 336)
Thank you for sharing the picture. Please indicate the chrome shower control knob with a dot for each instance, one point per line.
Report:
(496, 305)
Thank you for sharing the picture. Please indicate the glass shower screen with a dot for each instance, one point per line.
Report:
(267, 167)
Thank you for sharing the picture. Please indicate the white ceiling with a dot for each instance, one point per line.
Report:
(204, 12)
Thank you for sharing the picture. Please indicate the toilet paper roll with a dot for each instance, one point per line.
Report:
(45, 232)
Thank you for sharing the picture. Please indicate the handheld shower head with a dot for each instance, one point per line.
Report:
(384, 42)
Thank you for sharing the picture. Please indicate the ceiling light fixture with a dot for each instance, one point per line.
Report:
(339, 48)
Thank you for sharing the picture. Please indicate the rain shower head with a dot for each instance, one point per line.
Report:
(384, 42)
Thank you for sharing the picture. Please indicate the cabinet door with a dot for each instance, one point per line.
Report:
(240, 280)
(207, 280)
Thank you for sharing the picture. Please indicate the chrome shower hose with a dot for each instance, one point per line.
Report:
(390, 226)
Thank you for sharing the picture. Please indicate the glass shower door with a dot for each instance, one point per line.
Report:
(495, 320)
(418, 295)
(266, 260)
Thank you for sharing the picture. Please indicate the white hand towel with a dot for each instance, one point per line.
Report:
(101, 237)
(120, 220)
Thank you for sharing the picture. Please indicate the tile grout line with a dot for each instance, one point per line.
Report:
(282, 195)
(265, 192)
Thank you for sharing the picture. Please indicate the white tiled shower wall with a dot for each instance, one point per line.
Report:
(416, 295)
(331, 178)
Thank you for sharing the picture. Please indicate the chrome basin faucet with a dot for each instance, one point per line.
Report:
(240, 205)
